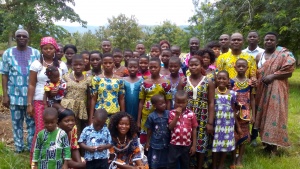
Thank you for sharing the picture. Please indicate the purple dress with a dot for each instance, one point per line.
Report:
(224, 123)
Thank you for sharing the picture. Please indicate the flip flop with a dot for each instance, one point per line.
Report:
(232, 167)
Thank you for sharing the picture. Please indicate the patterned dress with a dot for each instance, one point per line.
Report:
(224, 123)
(132, 91)
(147, 91)
(108, 91)
(62, 86)
(198, 103)
(51, 149)
(174, 88)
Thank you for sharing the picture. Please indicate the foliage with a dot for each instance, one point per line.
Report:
(37, 17)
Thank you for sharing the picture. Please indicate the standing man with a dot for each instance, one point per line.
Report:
(14, 68)
(253, 49)
(106, 46)
(224, 40)
(227, 60)
(272, 94)
(194, 47)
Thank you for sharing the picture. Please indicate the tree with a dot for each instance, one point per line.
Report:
(37, 17)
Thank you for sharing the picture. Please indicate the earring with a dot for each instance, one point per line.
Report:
(54, 56)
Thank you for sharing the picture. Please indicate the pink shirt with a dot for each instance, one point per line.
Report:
(182, 132)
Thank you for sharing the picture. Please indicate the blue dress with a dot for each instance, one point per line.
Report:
(132, 91)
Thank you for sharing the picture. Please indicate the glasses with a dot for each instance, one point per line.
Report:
(22, 36)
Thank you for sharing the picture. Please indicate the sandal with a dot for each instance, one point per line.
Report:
(232, 167)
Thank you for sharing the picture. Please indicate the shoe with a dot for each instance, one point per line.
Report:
(253, 143)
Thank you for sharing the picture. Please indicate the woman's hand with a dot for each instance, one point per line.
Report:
(30, 110)
(210, 129)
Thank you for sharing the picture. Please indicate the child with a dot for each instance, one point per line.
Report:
(214, 46)
(176, 51)
(54, 82)
(77, 97)
(52, 148)
(69, 51)
(183, 124)
(150, 87)
(127, 55)
(95, 61)
(174, 76)
(135, 55)
(208, 58)
(96, 140)
(141, 49)
(86, 58)
(224, 124)
(245, 103)
(143, 67)
(155, 51)
(119, 70)
(158, 134)
(200, 90)
(165, 57)
(132, 88)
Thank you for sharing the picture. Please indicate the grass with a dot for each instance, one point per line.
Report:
(254, 158)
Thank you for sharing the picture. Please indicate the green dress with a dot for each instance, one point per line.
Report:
(51, 149)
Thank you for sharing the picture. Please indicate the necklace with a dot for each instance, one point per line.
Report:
(124, 143)
(241, 85)
(48, 64)
(76, 80)
(221, 91)
(107, 77)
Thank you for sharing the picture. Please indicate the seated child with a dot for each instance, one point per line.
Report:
(52, 148)
(53, 83)
(96, 140)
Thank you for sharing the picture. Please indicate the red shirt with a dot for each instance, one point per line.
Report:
(182, 132)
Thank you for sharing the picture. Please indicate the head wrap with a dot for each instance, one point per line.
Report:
(49, 40)
(21, 31)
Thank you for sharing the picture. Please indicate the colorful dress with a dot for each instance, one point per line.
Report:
(227, 61)
(72, 136)
(144, 75)
(198, 103)
(51, 149)
(132, 91)
(272, 100)
(174, 88)
(108, 91)
(243, 97)
(147, 91)
(122, 73)
(224, 123)
(62, 86)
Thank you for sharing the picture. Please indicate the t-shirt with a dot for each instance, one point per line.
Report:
(36, 66)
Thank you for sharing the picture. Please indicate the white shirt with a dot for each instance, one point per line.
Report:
(36, 66)
(254, 52)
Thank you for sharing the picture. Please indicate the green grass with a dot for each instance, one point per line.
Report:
(254, 158)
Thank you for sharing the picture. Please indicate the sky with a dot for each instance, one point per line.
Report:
(147, 12)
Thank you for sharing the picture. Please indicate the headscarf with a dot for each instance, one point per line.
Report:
(49, 40)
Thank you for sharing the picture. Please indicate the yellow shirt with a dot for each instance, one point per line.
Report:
(227, 61)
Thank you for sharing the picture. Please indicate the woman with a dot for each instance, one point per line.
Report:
(66, 121)
(37, 80)
(164, 44)
(125, 152)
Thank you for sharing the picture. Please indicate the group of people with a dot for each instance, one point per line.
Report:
(130, 109)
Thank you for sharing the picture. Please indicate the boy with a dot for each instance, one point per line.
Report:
(183, 124)
(96, 140)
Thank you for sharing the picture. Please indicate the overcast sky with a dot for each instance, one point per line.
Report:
(148, 12)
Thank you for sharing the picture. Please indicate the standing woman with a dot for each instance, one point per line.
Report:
(69, 51)
(37, 80)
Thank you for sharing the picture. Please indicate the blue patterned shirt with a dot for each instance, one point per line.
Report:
(15, 64)
(91, 137)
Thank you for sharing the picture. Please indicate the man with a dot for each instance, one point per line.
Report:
(194, 46)
(253, 49)
(272, 94)
(106, 46)
(224, 40)
(141, 49)
(227, 60)
(14, 68)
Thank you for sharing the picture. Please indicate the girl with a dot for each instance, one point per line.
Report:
(155, 51)
(119, 70)
(127, 55)
(86, 57)
(132, 88)
(107, 89)
(95, 60)
(66, 121)
(200, 91)
(150, 87)
(135, 55)
(77, 97)
(54, 82)
(69, 51)
(143, 67)
(126, 151)
(245, 103)
(51, 149)
(165, 57)
(224, 124)
(158, 137)
(174, 77)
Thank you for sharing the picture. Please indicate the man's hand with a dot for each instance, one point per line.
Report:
(6, 101)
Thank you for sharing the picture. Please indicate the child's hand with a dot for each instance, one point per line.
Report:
(240, 132)
(178, 111)
(252, 120)
(147, 146)
(210, 129)
(253, 82)
(65, 166)
(101, 148)
(192, 150)
(92, 149)
(139, 125)
(34, 167)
